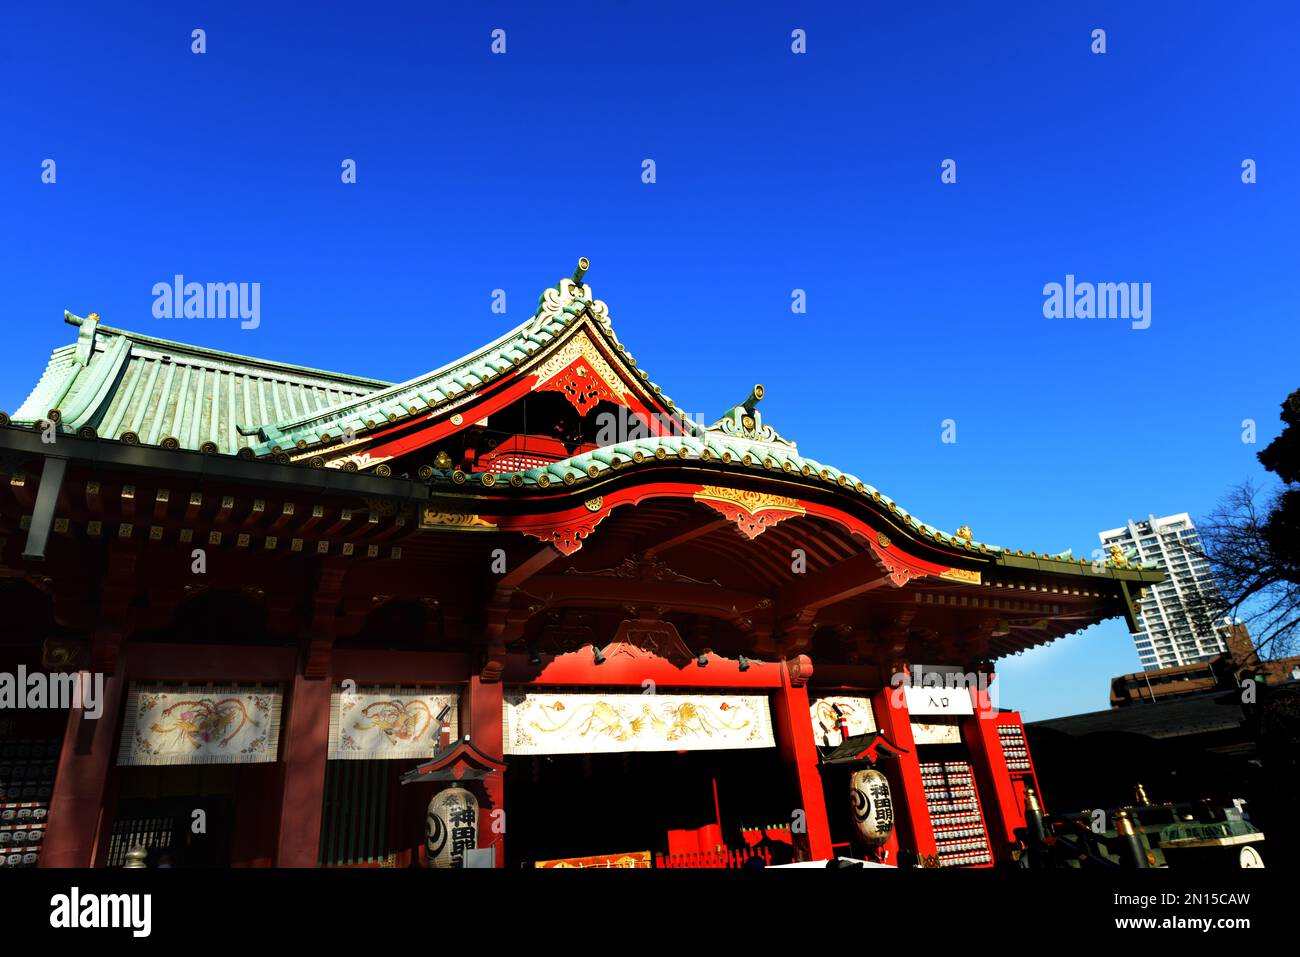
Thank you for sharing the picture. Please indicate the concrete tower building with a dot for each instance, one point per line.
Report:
(1170, 633)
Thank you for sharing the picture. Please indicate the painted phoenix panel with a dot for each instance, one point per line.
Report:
(200, 725)
(541, 723)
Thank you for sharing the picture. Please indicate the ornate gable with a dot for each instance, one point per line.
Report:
(567, 348)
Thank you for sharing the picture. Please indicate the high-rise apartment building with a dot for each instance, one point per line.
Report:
(1173, 628)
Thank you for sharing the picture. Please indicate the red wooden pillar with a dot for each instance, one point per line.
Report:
(77, 803)
(304, 744)
(798, 748)
(980, 734)
(254, 837)
(890, 707)
(484, 726)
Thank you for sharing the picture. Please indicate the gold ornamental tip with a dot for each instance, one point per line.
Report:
(1031, 801)
(1123, 824)
(755, 396)
(135, 857)
(583, 265)
(1142, 794)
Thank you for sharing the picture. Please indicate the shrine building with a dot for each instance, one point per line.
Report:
(516, 611)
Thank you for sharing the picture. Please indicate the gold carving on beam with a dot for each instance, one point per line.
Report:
(568, 538)
(580, 373)
(59, 655)
(636, 567)
(458, 521)
(753, 512)
(962, 575)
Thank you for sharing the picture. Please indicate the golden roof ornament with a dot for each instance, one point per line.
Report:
(965, 533)
(136, 856)
(746, 422)
(442, 460)
(1117, 555)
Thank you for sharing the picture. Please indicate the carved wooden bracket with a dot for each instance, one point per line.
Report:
(753, 512)
(649, 638)
(897, 631)
(800, 668)
(494, 665)
(568, 537)
(797, 631)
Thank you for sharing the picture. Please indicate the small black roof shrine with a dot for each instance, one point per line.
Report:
(461, 761)
(861, 749)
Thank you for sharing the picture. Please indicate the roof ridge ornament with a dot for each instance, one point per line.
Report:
(568, 298)
(746, 422)
(85, 335)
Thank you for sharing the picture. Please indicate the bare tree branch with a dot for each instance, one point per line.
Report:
(1256, 585)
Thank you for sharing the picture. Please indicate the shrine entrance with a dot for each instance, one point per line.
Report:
(586, 808)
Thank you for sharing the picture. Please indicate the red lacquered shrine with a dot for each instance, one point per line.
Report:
(518, 610)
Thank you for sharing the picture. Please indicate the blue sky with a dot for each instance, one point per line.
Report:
(775, 172)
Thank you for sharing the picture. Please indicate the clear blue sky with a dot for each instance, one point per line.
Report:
(774, 172)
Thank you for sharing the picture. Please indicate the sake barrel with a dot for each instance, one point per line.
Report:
(873, 806)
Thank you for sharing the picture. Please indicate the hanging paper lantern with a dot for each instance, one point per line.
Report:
(873, 806)
(451, 827)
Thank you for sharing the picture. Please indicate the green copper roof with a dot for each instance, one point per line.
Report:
(717, 447)
(138, 389)
(707, 446)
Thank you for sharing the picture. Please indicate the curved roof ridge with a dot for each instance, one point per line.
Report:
(558, 306)
(393, 391)
(713, 445)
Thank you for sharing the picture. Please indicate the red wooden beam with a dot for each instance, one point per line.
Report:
(580, 668)
(173, 662)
